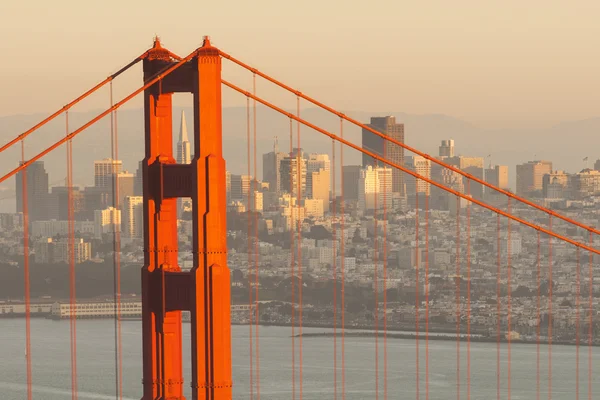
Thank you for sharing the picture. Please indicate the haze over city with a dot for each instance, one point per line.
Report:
(307, 200)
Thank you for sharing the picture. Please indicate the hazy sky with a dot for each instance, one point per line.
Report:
(497, 64)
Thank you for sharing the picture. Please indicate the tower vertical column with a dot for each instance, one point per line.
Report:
(210, 311)
(162, 370)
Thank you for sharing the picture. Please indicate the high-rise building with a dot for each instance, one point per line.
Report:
(473, 166)
(497, 176)
(106, 221)
(138, 185)
(556, 185)
(446, 149)
(228, 186)
(421, 166)
(375, 188)
(585, 184)
(126, 186)
(37, 191)
(289, 172)
(132, 223)
(271, 168)
(350, 176)
(316, 163)
(105, 170)
(530, 177)
(58, 203)
(240, 187)
(319, 188)
(383, 148)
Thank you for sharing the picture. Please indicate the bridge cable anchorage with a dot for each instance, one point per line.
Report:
(538, 306)
(417, 266)
(414, 174)
(498, 308)
(468, 239)
(342, 263)
(72, 103)
(299, 227)
(334, 263)
(427, 293)
(550, 316)
(591, 314)
(292, 266)
(116, 252)
(249, 257)
(405, 146)
(256, 272)
(457, 293)
(103, 114)
(376, 178)
(71, 259)
(27, 280)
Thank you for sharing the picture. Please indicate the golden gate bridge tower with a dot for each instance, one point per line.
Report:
(166, 290)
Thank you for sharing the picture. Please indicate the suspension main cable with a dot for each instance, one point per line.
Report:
(405, 146)
(74, 102)
(412, 173)
(152, 81)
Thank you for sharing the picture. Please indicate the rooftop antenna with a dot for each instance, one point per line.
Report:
(276, 145)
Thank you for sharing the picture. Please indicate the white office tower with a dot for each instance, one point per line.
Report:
(183, 157)
(375, 188)
(133, 217)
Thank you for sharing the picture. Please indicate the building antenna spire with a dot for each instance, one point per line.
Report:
(276, 145)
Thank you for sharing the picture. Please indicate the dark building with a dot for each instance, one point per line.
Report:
(37, 191)
(381, 147)
(350, 177)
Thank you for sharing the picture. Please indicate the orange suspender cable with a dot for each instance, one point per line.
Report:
(550, 318)
(335, 283)
(116, 256)
(375, 278)
(292, 266)
(578, 284)
(71, 247)
(498, 317)
(384, 251)
(256, 281)
(343, 271)
(417, 261)
(591, 319)
(539, 281)
(300, 222)
(25, 208)
(249, 258)
(427, 294)
(509, 305)
(458, 279)
(468, 292)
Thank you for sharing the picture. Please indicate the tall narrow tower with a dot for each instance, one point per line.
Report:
(166, 290)
(183, 144)
(183, 157)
